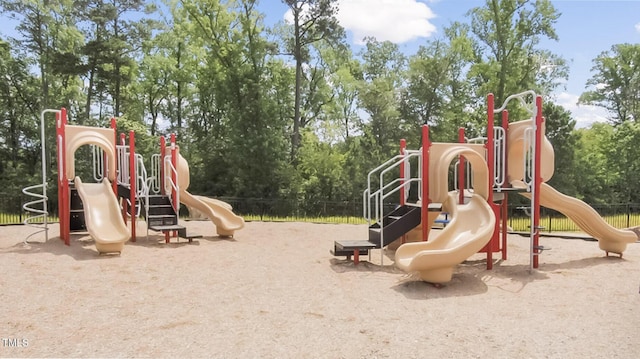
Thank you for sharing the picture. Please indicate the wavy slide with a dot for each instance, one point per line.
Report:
(470, 229)
(225, 220)
(218, 212)
(102, 215)
(610, 239)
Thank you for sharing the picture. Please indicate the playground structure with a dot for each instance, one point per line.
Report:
(122, 191)
(513, 158)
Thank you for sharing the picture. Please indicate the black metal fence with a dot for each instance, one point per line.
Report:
(256, 209)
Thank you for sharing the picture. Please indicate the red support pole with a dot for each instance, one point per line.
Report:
(132, 180)
(461, 167)
(403, 147)
(537, 180)
(163, 153)
(490, 165)
(425, 182)
(174, 161)
(114, 183)
(63, 181)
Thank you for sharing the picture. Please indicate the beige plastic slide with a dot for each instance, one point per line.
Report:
(225, 220)
(471, 225)
(218, 212)
(610, 239)
(102, 215)
(470, 229)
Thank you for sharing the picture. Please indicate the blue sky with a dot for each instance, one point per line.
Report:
(585, 29)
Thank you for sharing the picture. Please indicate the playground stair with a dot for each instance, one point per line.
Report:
(395, 224)
(162, 217)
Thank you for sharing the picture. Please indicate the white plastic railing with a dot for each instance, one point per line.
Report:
(529, 142)
(123, 164)
(500, 156)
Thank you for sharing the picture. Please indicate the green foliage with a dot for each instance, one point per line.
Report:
(559, 128)
(254, 125)
(616, 83)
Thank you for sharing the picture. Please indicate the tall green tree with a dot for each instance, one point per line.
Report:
(115, 32)
(383, 74)
(313, 21)
(509, 57)
(616, 83)
(236, 96)
(437, 92)
(560, 130)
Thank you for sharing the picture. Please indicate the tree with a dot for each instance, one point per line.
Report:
(238, 133)
(560, 130)
(313, 21)
(509, 59)
(115, 32)
(383, 73)
(616, 83)
(593, 155)
(437, 92)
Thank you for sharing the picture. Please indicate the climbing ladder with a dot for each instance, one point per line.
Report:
(41, 198)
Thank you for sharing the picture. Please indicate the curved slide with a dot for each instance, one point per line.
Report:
(610, 239)
(470, 229)
(103, 216)
(221, 215)
(218, 212)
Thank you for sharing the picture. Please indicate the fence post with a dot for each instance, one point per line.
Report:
(628, 215)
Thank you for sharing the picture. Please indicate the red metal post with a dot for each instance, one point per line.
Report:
(63, 181)
(490, 161)
(403, 146)
(537, 180)
(425, 182)
(174, 161)
(114, 183)
(133, 181)
(461, 167)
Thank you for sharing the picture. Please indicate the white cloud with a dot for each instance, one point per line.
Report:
(638, 27)
(398, 21)
(585, 115)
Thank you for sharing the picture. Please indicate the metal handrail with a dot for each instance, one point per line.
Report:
(531, 107)
(367, 196)
(390, 165)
